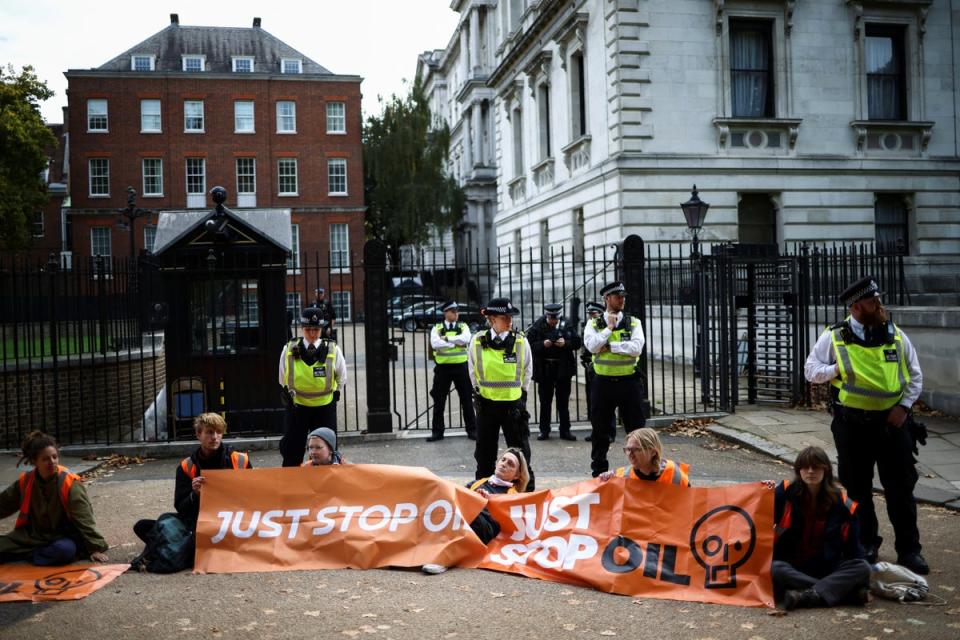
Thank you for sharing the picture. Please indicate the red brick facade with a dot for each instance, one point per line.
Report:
(124, 145)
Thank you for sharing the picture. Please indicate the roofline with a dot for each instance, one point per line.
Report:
(207, 75)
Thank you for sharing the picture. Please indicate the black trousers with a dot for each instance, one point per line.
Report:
(443, 375)
(493, 416)
(591, 378)
(863, 440)
(608, 394)
(301, 420)
(846, 579)
(551, 384)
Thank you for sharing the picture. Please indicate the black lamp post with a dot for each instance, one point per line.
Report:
(695, 212)
(131, 213)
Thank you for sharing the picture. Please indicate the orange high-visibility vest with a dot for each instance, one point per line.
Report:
(787, 518)
(237, 460)
(65, 481)
(673, 473)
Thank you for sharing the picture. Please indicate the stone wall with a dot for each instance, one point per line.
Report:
(89, 397)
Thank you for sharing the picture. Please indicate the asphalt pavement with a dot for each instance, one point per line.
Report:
(397, 603)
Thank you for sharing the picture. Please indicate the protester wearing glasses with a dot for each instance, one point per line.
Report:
(645, 453)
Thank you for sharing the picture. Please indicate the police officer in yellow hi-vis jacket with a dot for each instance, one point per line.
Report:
(312, 370)
(616, 341)
(875, 378)
(500, 364)
(449, 340)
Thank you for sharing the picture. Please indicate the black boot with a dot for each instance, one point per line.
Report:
(806, 599)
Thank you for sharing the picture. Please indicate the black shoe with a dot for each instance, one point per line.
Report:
(435, 438)
(870, 554)
(915, 562)
(589, 438)
(568, 436)
(472, 435)
(543, 436)
(806, 599)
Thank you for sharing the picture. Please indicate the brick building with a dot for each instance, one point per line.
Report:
(191, 108)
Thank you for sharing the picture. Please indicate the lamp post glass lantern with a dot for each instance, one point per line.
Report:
(695, 212)
(131, 212)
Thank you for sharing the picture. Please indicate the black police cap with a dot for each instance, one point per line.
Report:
(311, 317)
(614, 287)
(553, 309)
(862, 289)
(500, 307)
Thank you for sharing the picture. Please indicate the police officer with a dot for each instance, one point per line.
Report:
(311, 372)
(500, 365)
(327, 314)
(449, 340)
(594, 311)
(875, 378)
(553, 344)
(616, 340)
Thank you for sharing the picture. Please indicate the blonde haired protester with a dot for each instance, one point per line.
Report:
(55, 521)
(645, 454)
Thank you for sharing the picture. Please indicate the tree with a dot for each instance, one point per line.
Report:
(24, 140)
(407, 190)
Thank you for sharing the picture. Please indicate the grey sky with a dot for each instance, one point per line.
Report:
(376, 39)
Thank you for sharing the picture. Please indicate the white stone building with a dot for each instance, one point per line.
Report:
(798, 121)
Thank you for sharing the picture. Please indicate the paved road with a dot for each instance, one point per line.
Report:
(461, 603)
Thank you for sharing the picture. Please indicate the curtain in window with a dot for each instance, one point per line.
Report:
(890, 218)
(749, 73)
(884, 79)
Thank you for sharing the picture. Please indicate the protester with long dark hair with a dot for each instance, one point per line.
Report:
(55, 522)
(817, 556)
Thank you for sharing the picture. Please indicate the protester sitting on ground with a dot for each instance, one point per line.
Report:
(510, 475)
(645, 454)
(55, 522)
(212, 454)
(322, 448)
(817, 557)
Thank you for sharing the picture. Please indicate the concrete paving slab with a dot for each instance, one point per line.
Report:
(949, 471)
(952, 438)
(929, 457)
(762, 420)
(936, 444)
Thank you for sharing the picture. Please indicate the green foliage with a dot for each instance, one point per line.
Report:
(407, 191)
(23, 141)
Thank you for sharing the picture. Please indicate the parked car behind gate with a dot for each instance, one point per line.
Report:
(426, 314)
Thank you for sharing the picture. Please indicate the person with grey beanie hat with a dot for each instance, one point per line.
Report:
(322, 448)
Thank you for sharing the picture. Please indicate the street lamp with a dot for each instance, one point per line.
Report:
(695, 212)
(131, 212)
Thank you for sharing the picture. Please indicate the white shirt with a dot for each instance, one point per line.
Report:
(446, 341)
(821, 364)
(339, 364)
(594, 340)
(525, 375)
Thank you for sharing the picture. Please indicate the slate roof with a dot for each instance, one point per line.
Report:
(274, 224)
(218, 44)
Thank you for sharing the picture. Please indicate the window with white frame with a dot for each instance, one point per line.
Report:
(149, 237)
(287, 176)
(751, 69)
(193, 116)
(293, 262)
(337, 176)
(341, 305)
(886, 72)
(194, 63)
(97, 115)
(150, 116)
(197, 176)
(246, 175)
(293, 307)
(152, 177)
(336, 117)
(243, 116)
(100, 242)
(543, 108)
(339, 246)
(142, 62)
(243, 64)
(99, 169)
(291, 65)
(286, 116)
(37, 225)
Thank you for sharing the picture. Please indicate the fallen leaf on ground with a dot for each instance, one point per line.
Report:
(315, 614)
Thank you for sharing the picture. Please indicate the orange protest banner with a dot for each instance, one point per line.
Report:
(358, 516)
(70, 582)
(641, 539)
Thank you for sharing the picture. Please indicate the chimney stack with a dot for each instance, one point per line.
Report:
(256, 23)
(174, 18)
